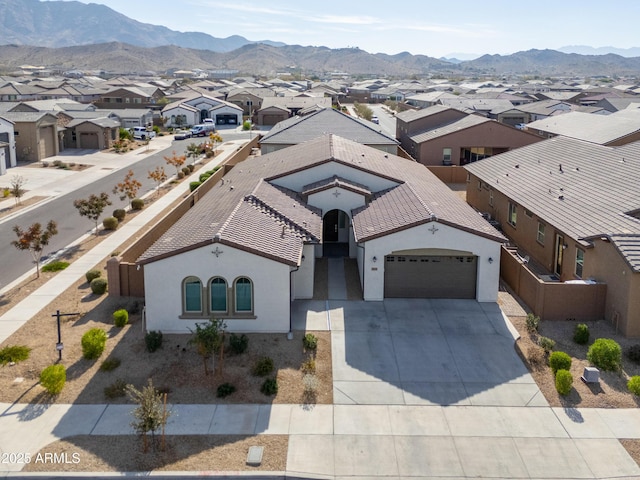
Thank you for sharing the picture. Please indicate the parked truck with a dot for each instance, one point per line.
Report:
(141, 133)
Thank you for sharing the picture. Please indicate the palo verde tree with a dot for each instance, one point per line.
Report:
(34, 239)
(176, 161)
(158, 175)
(128, 188)
(92, 207)
(209, 340)
(151, 414)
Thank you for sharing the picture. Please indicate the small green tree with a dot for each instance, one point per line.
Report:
(193, 151)
(209, 340)
(92, 207)
(34, 239)
(150, 415)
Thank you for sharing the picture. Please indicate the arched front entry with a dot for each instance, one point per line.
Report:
(335, 233)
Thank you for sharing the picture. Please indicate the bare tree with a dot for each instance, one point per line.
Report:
(17, 182)
(176, 160)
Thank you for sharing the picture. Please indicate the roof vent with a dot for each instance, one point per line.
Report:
(560, 168)
(517, 165)
(561, 197)
(231, 187)
(283, 229)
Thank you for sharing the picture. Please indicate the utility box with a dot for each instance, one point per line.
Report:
(591, 375)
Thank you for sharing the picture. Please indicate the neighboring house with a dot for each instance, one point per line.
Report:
(328, 120)
(195, 107)
(273, 108)
(35, 134)
(573, 209)
(249, 99)
(7, 146)
(441, 135)
(546, 108)
(428, 99)
(617, 128)
(134, 117)
(91, 133)
(130, 97)
(248, 247)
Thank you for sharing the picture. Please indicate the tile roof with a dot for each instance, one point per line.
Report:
(300, 129)
(629, 248)
(411, 115)
(601, 129)
(334, 182)
(440, 131)
(585, 189)
(248, 211)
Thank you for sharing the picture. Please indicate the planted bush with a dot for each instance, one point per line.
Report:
(186, 171)
(110, 364)
(547, 344)
(203, 176)
(263, 367)
(270, 386)
(634, 385)
(581, 334)
(225, 390)
(310, 341)
(14, 353)
(56, 266)
(559, 361)
(93, 343)
(116, 389)
(633, 353)
(120, 213)
(120, 318)
(98, 286)
(194, 185)
(238, 344)
(308, 366)
(110, 223)
(92, 274)
(137, 204)
(53, 378)
(605, 354)
(564, 382)
(153, 340)
(532, 322)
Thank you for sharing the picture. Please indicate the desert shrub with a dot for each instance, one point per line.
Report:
(53, 378)
(98, 286)
(633, 353)
(246, 125)
(93, 343)
(120, 213)
(310, 341)
(535, 355)
(180, 175)
(45, 164)
(137, 204)
(92, 274)
(203, 176)
(310, 383)
(308, 366)
(116, 389)
(186, 171)
(153, 340)
(194, 185)
(605, 354)
(191, 167)
(581, 334)
(56, 266)
(564, 382)
(120, 318)
(225, 390)
(57, 163)
(559, 361)
(14, 353)
(110, 364)
(110, 223)
(547, 344)
(532, 323)
(263, 367)
(238, 343)
(270, 386)
(634, 385)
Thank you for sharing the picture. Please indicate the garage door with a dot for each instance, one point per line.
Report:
(272, 119)
(226, 119)
(421, 276)
(89, 140)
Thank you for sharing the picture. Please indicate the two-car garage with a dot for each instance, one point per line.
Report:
(430, 276)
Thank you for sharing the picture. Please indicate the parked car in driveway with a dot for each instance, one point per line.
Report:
(375, 119)
(203, 130)
(181, 134)
(142, 133)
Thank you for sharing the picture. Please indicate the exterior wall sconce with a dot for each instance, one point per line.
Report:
(374, 259)
(564, 246)
(490, 260)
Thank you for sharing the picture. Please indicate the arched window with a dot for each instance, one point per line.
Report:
(243, 290)
(218, 293)
(192, 295)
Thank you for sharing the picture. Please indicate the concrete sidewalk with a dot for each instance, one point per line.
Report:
(13, 319)
(368, 441)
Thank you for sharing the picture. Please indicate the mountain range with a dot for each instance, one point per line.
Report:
(74, 35)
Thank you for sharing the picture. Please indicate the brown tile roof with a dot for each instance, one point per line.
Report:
(247, 211)
(334, 182)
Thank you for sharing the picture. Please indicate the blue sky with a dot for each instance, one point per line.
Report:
(433, 28)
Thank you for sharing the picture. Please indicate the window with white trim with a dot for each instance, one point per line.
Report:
(540, 233)
(446, 156)
(491, 197)
(512, 217)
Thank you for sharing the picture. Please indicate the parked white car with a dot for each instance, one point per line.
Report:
(141, 133)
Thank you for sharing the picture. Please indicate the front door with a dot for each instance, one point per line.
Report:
(559, 251)
(330, 226)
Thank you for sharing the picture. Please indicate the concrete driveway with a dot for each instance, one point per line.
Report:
(421, 352)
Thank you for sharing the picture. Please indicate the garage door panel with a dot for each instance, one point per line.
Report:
(430, 276)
